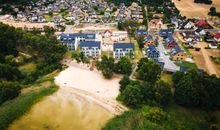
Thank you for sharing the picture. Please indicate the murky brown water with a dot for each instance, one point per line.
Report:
(63, 111)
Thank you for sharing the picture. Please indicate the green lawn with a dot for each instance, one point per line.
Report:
(187, 64)
(106, 53)
(167, 78)
(28, 67)
(138, 52)
(48, 17)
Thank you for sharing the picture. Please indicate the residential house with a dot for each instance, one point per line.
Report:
(171, 42)
(200, 32)
(116, 35)
(152, 53)
(156, 23)
(72, 40)
(187, 25)
(150, 40)
(202, 24)
(165, 33)
(177, 54)
(91, 48)
(140, 33)
(213, 45)
(123, 49)
(217, 37)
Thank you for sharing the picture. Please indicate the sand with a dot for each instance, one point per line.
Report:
(78, 79)
(190, 9)
(27, 25)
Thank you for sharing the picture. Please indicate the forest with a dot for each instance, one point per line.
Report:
(20, 47)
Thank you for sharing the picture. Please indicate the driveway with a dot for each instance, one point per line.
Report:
(169, 65)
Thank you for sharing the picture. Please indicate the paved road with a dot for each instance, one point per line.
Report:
(192, 30)
(169, 65)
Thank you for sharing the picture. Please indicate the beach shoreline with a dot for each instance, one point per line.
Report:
(76, 80)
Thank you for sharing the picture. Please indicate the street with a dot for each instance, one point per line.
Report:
(169, 65)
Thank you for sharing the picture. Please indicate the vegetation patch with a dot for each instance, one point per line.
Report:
(187, 64)
(13, 109)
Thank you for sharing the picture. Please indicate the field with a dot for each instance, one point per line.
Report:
(190, 9)
(203, 60)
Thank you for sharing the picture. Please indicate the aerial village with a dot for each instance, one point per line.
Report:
(91, 27)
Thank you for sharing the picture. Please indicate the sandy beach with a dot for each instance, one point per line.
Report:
(79, 80)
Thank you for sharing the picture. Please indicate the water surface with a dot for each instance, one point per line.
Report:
(63, 111)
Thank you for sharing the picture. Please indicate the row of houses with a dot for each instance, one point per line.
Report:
(92, 48)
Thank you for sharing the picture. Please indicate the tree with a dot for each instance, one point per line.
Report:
(140, 42)
(124, 82)
(49, 30)
(132, 96)
(177, 76)
(8, 90)
(149, 71)
(154, 114)
(106, 65)
(163, 93)
(123, 66)
(197, 89)
(148, 90)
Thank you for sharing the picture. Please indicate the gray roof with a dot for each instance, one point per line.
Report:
(90, 44)
(123, 46)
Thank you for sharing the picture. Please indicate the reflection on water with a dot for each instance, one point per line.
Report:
(63, 111)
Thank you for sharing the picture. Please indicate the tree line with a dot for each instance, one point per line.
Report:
(46, 52)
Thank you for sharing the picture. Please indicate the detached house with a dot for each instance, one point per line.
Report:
(202, 24)
(156, 23)
(140, 33)
(178, 54)
(217, 37)
(152, 53)
(150, 40)
(123, 49)
(91, 49)
(200, 32)
(165, 33)
(187, 25)
(171, 42)
(116, 35)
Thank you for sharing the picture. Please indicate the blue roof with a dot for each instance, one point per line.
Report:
(90, 44)
(184, 68)
(141, 32)
(166, 32)
(170, 39)
(123, 46)
(151, 48)
(74, 35)
(176, 50)
(150, 37)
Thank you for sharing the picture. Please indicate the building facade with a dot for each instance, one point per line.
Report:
(123, 49)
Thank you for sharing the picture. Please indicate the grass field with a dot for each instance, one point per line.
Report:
(187, 64)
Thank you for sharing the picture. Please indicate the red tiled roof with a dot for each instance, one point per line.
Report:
(217, 36)
(202, 23)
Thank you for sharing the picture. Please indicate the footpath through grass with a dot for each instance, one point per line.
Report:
(13, 109)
